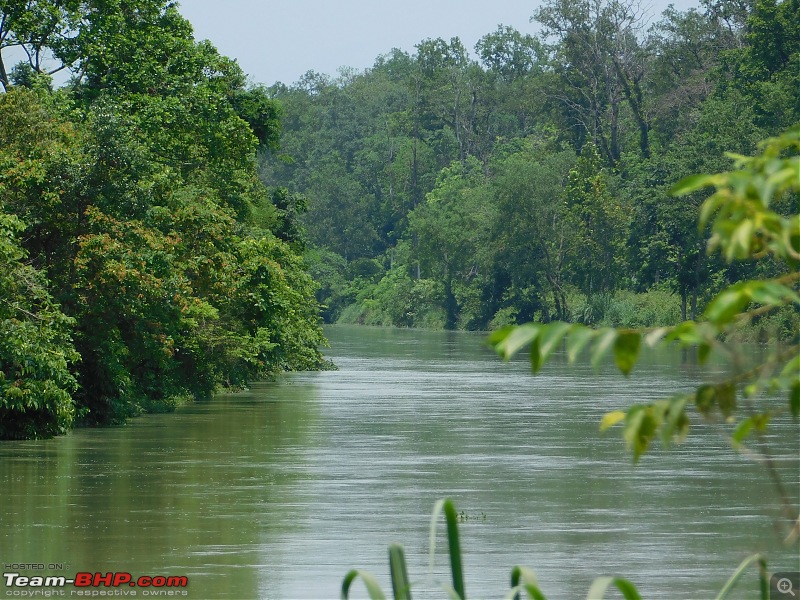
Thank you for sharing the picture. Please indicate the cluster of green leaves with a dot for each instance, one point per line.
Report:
(36, 352)
(531, 179)
(523, 579)
(745, 226)
(136, 200)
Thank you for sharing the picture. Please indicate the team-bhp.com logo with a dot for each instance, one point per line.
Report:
(94, 584)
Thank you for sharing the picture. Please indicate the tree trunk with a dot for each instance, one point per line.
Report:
(415, 199)
(683, 303)
(696, 284)
(450, 306)
(634, 98)
(615, 149)
(457, 126)
(3, 75)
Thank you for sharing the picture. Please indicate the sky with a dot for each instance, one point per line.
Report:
(281, 40)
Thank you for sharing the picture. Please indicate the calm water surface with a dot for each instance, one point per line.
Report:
(279, 491)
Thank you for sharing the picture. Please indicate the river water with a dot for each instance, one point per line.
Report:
(279, 491)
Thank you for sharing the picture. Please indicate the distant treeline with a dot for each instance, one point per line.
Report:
(142, 261)
(532, 182)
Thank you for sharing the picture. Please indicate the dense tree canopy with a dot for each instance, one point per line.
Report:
(147, 261)
(532, 181)
(435, 189)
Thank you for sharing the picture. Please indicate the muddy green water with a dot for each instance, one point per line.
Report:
(279, 491)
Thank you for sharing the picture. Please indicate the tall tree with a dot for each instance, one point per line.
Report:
(531, 232)
(601, 62)
(44, 31)
(514, 84)
(685, 49)
(599, 223)
(451, 228)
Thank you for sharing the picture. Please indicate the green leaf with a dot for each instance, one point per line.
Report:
(792, 368)
(727, 304)
(578, 337)
(707, 210)
(739, 245)
(550, 337)
(498, 335)
(536, 356)
(507, 342)
(611, 418)
(692, 183)
(676, 423)
(742, 430)
(794, 399)
(758, 422)
(533, 591)
(605, 339)
(437, 511)
(640, 428)
(703, 351)
(373, 587)
(401, 586)
(772, 293)
(726, 398)
(600, 586)
(626, 351)
(690, 333)
(704, 398)
(654, 338)
(546, 342)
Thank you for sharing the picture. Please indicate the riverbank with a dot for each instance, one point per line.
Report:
(621, 309)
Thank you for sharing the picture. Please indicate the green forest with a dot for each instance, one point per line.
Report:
(530, 179)
(143, 261)
(168, 228)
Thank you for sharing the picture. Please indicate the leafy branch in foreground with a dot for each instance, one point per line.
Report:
(523, 579)
(744, 226)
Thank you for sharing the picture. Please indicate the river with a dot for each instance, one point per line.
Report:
(278, 491)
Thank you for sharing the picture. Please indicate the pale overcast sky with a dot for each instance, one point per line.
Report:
(281, 40)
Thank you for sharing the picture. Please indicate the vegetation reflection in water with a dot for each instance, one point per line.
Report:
(196, 494)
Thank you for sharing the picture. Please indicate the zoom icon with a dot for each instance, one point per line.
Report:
(784, 585)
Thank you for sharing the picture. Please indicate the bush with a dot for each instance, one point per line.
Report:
(397, 300)
(503, 317)
(654, 308)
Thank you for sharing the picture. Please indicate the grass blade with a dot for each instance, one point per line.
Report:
(373, 587)
(601, 585)
(401, 586)
(437, 510)
(763, 579)
(451, 518)
(454, 547)
(451, 593)
(524, 579)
